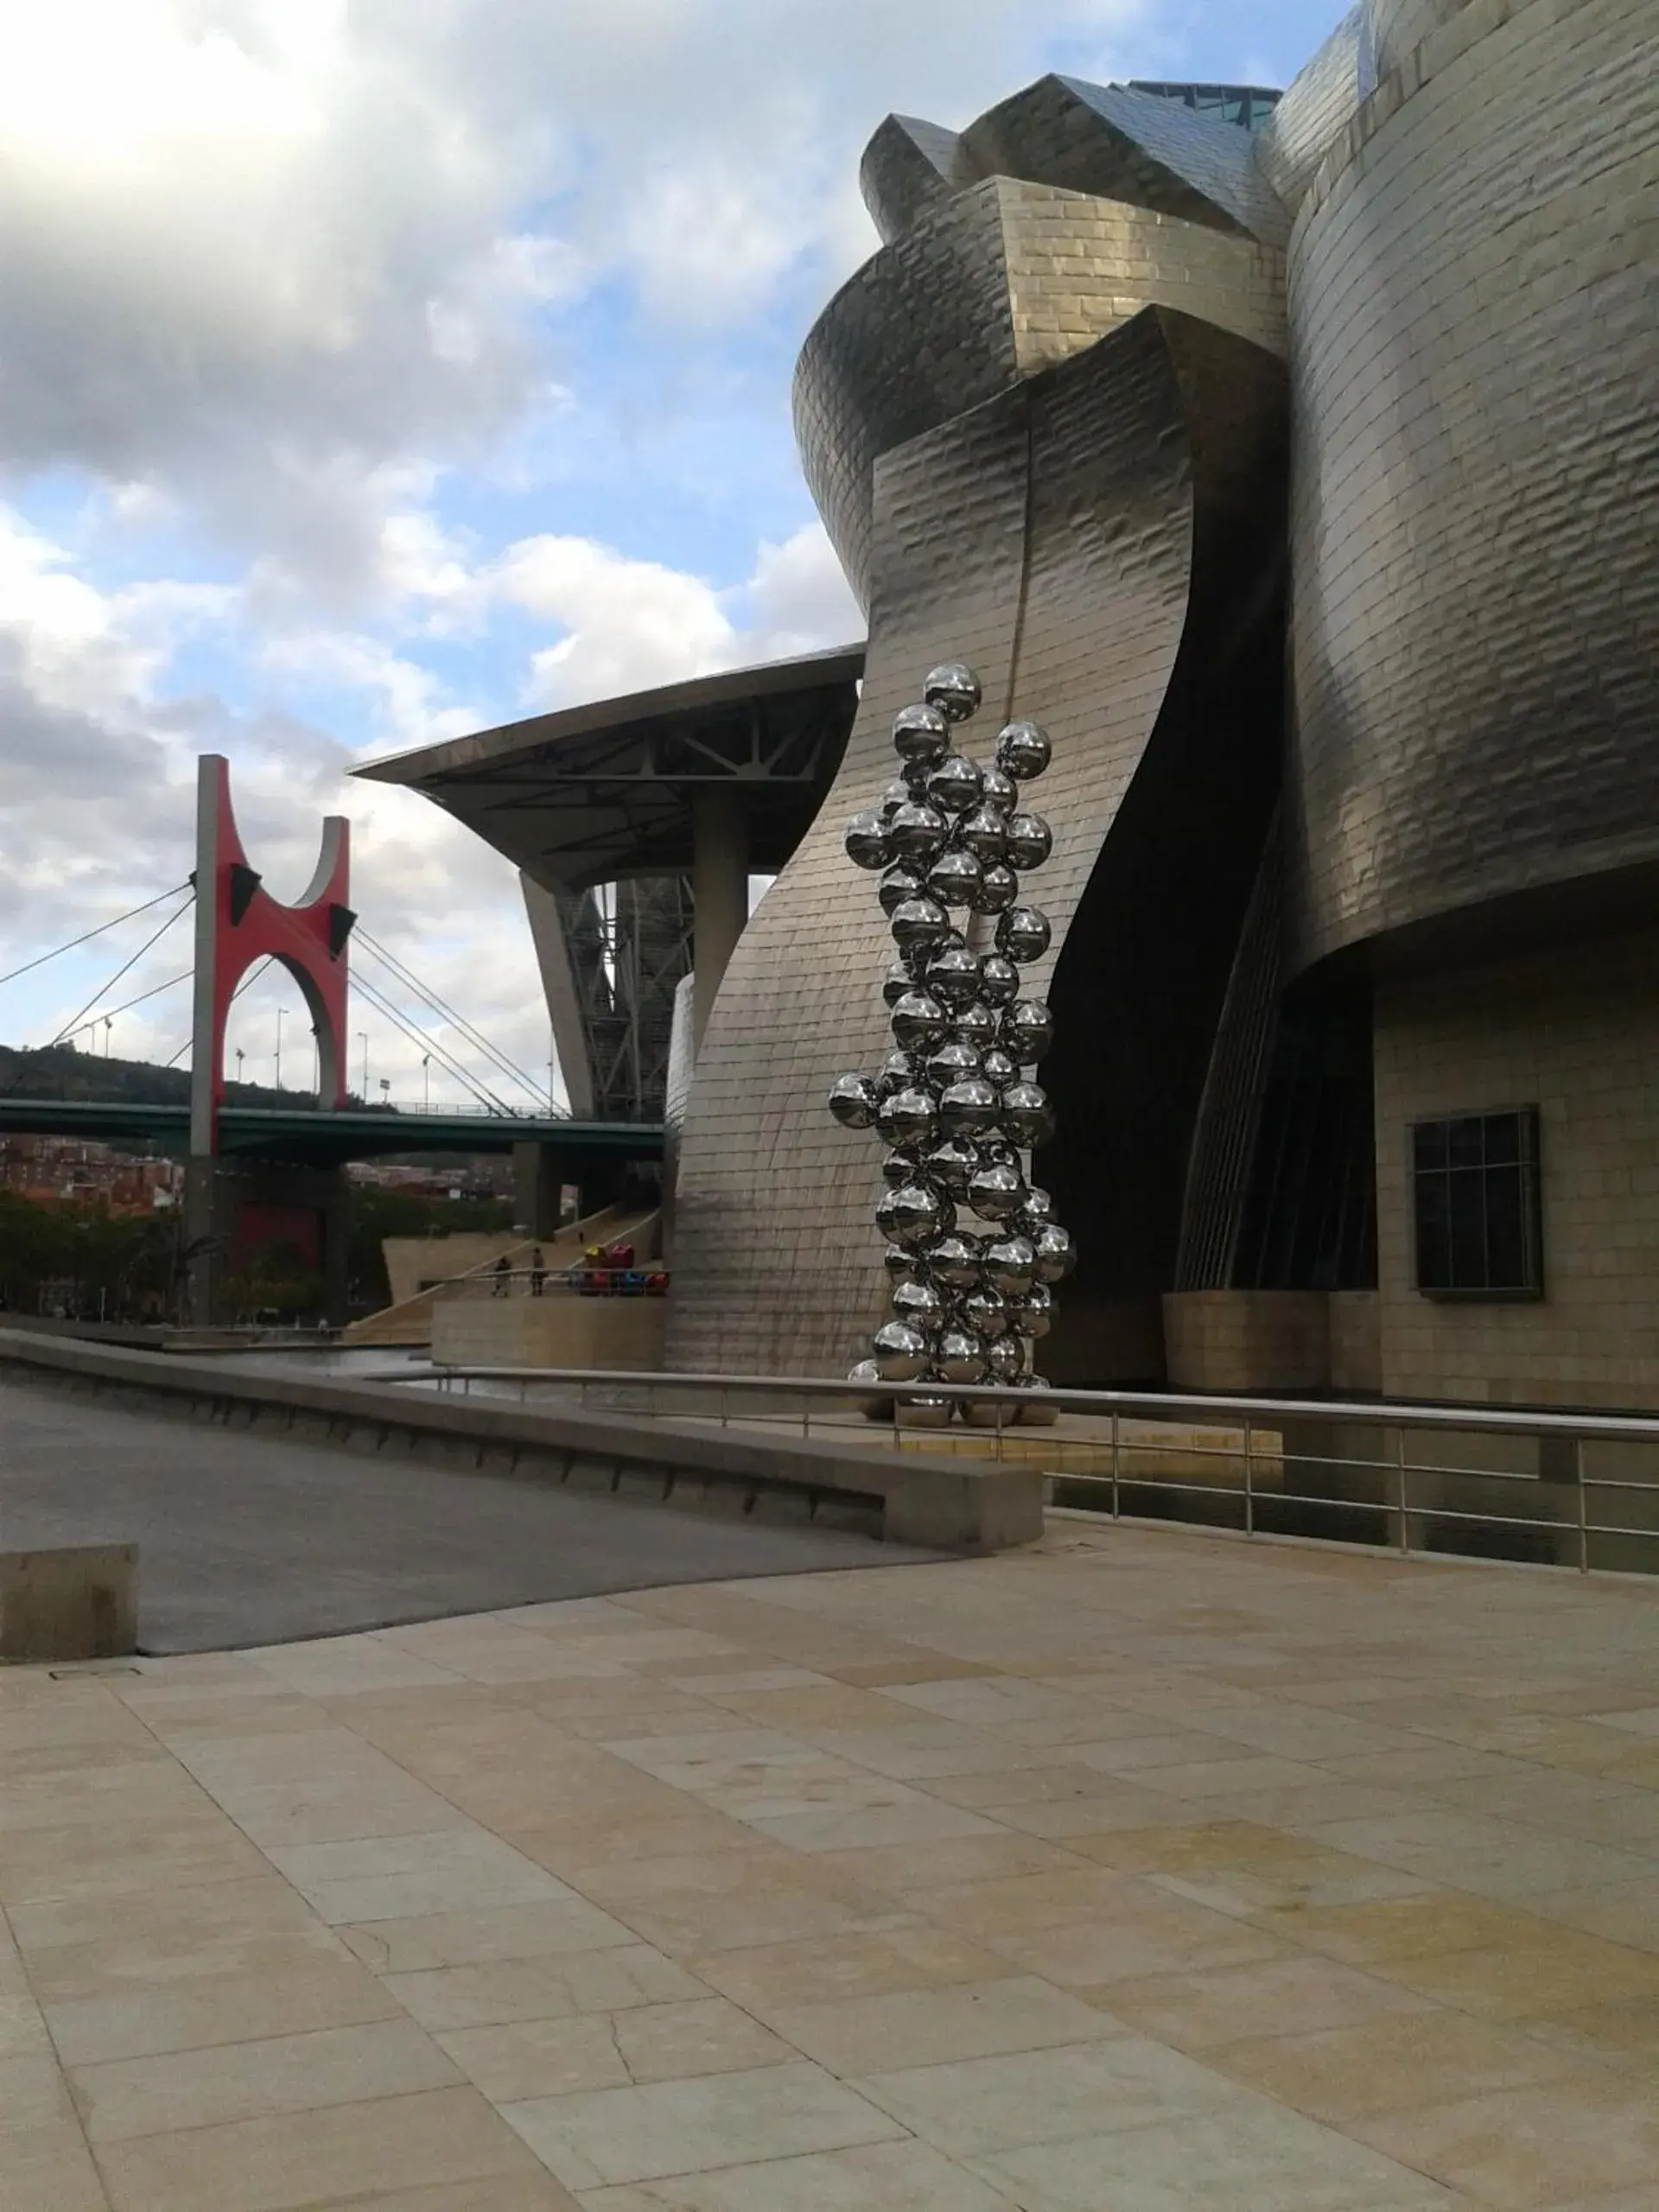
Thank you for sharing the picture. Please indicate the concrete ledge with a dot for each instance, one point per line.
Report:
(74, 1601)
(965, 1506)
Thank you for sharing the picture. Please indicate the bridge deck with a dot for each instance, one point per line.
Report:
(309, 1134)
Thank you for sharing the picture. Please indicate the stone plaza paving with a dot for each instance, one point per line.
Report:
(1140, 1871)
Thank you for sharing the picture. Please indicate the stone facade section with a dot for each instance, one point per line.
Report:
(1575, 1030)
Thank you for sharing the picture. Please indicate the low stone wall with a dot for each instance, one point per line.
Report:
(954, 1505)
(1230, 1341)
(560, 1329)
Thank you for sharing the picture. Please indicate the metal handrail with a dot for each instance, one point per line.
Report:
(1151, 1405)
(1411, 1516)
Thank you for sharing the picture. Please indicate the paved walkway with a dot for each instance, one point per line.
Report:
(245, 1539)
(1145, 1872)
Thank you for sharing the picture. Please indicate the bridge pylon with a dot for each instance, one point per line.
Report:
(234, 1205)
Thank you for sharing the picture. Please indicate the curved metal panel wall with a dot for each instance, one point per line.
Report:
(1312, 112)
(1398, 27)
(1476, 480)
(1049, 537)
(775, 1269)
(1006, 279)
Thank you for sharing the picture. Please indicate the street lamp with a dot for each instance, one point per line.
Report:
(386, 1090)
(109, 1021)
(280, 1011)
(426, 1083)
(363, 1040)
(239, 1063)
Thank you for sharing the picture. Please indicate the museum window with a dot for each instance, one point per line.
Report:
(1475, 1204)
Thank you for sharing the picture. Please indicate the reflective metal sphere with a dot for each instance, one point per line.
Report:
(954, 784)
(997, 890)
(956, 878)
(1027, 1116)
(909, 1117)
(953, 1262)
(918, 924)
(853, 1101)
(953, 977)
(1030, 840)
(1023, 750)
(1036, 1213)
(919, 1021)
(1027, 1030)
(918, 1303)
(1032, 1313)
(901, 1165)
(897, 1262)
(897, 982)
(999, 980)
(967, 1107)
(916, 1215)
(900, 1351)
(902, 881)
(953, 688)
(997, 1152)
(898, 1071)
(998, 1067)
(865, 1371)
(1056, 1253)
(960, 1356)
(984, 832)
(1010, 1264)
(975, 1024)
(916, 832)
(985, 1311)
(1023, 934)
(952, 1166)
(921, 734)
(1005, 1356)
(998, 789)
(898, 793)
(867, 841)
(952, 1061)
(996, 1193)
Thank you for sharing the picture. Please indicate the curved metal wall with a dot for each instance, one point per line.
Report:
(1316, 105)
(1476, 481)
(1003, 280)
(1052, 537)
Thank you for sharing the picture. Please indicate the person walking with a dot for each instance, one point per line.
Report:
(538, 1271)
(501, 1271)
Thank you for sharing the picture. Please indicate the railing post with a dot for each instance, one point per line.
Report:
(1116, 1421)
(1001, 1409)
(1584, 1505)
(1249, 1479)
(1400, 1502)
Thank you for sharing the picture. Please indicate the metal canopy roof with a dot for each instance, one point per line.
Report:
(593, 794)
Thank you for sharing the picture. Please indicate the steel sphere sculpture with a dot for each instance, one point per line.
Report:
(953, 1101)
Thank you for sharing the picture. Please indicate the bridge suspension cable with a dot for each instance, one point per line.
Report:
(447, 1013)
(126, 1005)
(103, 929)
(154, 939)
(428, 1043)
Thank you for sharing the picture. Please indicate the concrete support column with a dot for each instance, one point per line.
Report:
(538, 1188)
(719, 891)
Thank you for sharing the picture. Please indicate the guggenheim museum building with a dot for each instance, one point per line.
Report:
(1292, 457)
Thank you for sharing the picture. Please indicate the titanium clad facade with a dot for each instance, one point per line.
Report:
(1475, 479)
(1041, 486)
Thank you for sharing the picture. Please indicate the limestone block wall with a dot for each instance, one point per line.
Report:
(1476, 472)
(1573, 1030)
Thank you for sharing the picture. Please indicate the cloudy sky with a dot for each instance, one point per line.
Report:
(373, 371)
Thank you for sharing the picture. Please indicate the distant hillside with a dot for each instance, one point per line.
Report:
(57, 1071)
